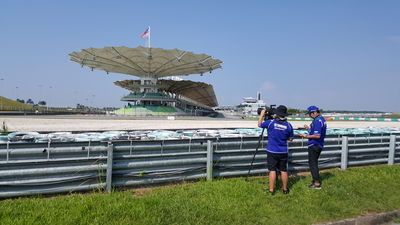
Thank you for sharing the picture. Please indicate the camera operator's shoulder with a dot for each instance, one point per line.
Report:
(268, 122)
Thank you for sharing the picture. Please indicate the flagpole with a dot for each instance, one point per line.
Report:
(149, 38)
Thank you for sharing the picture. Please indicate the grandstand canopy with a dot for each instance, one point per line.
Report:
(197, 91)
(145, 62)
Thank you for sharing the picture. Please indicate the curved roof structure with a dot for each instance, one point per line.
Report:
(145, 62)
(197, 91)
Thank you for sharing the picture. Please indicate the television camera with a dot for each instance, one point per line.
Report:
(269, 112)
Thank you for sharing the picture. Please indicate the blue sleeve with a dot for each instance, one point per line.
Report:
(291, 132)
(265, 124)
(317, 127)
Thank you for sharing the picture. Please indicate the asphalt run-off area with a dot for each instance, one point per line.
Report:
(108, 123)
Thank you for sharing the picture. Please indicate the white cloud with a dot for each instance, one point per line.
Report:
(267, 86)
(394, 38)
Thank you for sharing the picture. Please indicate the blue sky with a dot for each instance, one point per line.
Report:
(335, 54)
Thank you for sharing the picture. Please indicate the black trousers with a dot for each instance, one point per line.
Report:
(313, 154)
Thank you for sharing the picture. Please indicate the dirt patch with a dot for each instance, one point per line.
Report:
(141, 192)
(146, 191)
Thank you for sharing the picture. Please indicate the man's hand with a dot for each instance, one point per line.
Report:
(261, 118)
(262, 114)
(302, 135)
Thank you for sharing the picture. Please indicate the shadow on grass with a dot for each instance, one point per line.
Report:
(295, 177)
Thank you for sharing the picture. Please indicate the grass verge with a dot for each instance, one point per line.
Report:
(345, 194)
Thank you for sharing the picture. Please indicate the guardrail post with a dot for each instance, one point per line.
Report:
(109, 166)
(8, 150)
(345, 153)
(209, 160)
(392, 149)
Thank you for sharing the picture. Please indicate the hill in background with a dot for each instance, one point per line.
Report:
(7, 104)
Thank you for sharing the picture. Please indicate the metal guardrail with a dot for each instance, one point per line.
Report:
(29, 169)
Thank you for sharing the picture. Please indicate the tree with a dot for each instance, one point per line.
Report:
(42, 103)
(21, 100)
(80, 106)
(30, 102)
(294, 111)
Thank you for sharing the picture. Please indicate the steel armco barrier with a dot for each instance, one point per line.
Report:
(30, 169)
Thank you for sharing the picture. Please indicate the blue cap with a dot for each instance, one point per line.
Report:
(311, 109)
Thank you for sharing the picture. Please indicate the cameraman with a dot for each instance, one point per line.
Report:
(279, 132)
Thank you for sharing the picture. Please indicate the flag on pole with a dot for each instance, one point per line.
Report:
(146, 33)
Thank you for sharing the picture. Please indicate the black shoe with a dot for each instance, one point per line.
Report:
(272, 193)
(285, 191)
(314, 186)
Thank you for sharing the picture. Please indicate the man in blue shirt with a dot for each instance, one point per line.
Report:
(279, 132)
(316, 136)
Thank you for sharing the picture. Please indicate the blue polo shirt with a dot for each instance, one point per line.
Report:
(318, 126)
(278, 134)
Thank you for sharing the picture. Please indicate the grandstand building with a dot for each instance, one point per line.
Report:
(151, 94)
(185, 96)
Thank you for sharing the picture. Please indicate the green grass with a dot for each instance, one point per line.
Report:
(394, 115)
(345, 194)
(11, 105)
(8, 104)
